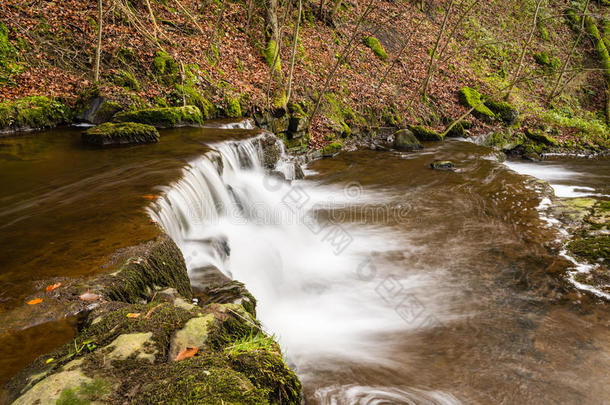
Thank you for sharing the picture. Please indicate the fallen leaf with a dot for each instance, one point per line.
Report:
(149, 313)
(149, 196)
(53, 286)
(49, 360)
(35, 301)
(88, 296)
(190, 351)
(133, 315)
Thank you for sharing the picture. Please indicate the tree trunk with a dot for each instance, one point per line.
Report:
(294, 50)
(524, 50)
(98, 51)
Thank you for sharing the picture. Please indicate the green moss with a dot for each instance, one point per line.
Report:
(84, 394)
(471, 98)
(160, 265)
(592, 249)
(194, 97)
(32, 113)
(127, 80)
(332, 149)
(127, 133)
(375, 46)
(165, 68)
(425, 134)
(168, 117)
(9, 66)
(547, 61)
(459, 129)
(233, 109)
(270, 53)
(540, 137)
(504, 111)
(107, 110)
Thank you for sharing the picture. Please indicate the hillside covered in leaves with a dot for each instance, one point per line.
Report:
(348, 66)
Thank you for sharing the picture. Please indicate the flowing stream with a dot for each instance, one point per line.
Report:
(384, 281)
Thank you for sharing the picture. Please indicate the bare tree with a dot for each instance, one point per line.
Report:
(433, 55)
(98, 51)
(294, 50)
(525, 48)
(344, 54)
(566, 63)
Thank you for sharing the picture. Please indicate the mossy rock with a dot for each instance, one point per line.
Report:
(375, 46)
(165, 68)
(127, 80)
(459, 129)
(547, 61)
(32, 113)
(331, 149)
(470, 98)
(164, 117)
(540, 137)
(424, 134)
(504, 111)
(442, 165)
(127, 133)
(272, 59)
(194, 97)
(156, 263)
(406, 140)
(233, 109)
(504, 141)
(594, 249)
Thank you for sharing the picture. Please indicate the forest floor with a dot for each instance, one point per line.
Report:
(213, 51)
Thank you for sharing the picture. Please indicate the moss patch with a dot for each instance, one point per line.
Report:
(375, 46)
(471, 98)
(32, 113)
(332, 149)
(272, 58)
(168, 117)
(504, 111)
(592, 248)
(165, 68)
(424, 134)
(233, 107)
(547, 61)
(127, 133)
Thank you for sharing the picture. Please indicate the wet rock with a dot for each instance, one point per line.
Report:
(504, 111)
(127, 133)
(100, 110)
(48, 390)
(332, 149)
(193, 334)
(540, 137)
(165, 117)
(298, 171)
(424, 134)
(406, 140)
(442, 165)
(272, 150)
(460, 129)
(136, 345)
(201, 277)
(297, 124)
(232, 292)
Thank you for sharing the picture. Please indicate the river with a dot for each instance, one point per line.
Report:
(385, 282)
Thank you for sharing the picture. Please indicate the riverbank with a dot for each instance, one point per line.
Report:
(142, 339)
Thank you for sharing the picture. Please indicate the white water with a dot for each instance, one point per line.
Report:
(313, 280)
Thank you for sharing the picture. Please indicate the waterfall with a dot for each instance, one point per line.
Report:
(260, 226)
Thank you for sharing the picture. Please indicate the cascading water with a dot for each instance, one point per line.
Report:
(310, 275)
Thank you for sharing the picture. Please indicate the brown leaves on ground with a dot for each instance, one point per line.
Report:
(53, 287)
(189, 351)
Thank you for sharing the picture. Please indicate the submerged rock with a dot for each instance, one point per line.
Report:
(406, 140)
(165, 117)
(442, 165)
(128, 133)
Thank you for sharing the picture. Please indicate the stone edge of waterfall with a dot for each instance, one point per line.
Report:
(143, 318)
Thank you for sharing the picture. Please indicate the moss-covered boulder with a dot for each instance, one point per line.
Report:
(126, 133)
(540, 137)
(459, 130)
(424, 134)
(32, 113)
(164, 353)
(406, 140)
(442, 165)
(470, 98)
(164, 117)
(504, 111)
(331, 149)
(548, 62)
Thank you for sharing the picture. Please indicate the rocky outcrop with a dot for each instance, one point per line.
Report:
(100, 110)
(145, 340)
(127, 133)
(32, 113)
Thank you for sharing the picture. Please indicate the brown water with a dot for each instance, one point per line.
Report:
(446, 293)
(64, 208)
